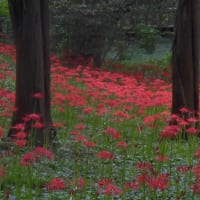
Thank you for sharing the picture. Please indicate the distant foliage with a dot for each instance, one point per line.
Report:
(92, 28)
(4, 18)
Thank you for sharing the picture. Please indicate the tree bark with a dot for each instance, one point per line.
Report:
(185, 59)
(30, 19)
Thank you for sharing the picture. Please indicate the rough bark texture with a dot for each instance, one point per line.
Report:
(30, 19)
(185, 61)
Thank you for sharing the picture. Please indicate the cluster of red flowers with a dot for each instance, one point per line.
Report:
(36, 154)
(106, 187)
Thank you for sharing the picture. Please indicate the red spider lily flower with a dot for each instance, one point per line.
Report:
(27, 159)
(122, 114)
(146, 166)
(192, 131)
(183, 122)
(42, 151)
(55, 184)
(1, 132)
(111, 190)
(131, 185)
(37, 95)
(87, 110)
(184, 110)
(20, 135)
(196, 186)
(159, 182)
(58, 124)
(33, 116)
(192, 120)
(170, 132)
(197, 153)
(183, 169)
(38, 125)
(103, 182)
(105, 155)
(107, 188)
(113, 132)
(122, 144)
(19, 127)
(162, 158)
(75, 132)
(20, 143)
(80, 138)
(89, 144)
(2, 172)
(80, 126)
(142, 179)
(196, 170)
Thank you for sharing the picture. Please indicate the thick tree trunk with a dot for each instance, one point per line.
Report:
(30, 19)
(185, 61)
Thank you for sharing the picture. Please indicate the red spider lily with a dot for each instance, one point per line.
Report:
(196, 186)
(80, 126)
(162, 158)
(27, 159)
(183, 169)
(55, 184)
(37, 95)
(192, 131)
(75, 132)
(146, 166)
(89, 144)
(38, 125)
(131, 185)
(1, 132)
(192, 120)
(20, 142)
(122, 144)
(42, 151)
(111, 190)
(107, 188)
(58, 124)
(107, 155)
(2, 172)
(170, 132)
(36, 154)
(80, 138)
(159, 182)
(196, 170)
(104, 181)
(113, 132)
(184, 110)
(19, 127)
(87, 110)
(20, 135)
(32, 116)
(142, 178)
(182, 122)
(122, 114)
(197, 153)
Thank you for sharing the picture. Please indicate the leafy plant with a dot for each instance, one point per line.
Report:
(147, 36)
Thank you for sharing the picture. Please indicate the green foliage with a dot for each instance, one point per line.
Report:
(147, 35)
(4, 8)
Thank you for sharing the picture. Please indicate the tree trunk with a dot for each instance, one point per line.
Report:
(30, 19)
(185, 59)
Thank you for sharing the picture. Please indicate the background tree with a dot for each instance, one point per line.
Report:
(98, 28)
(30, 20)
(185, 61)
